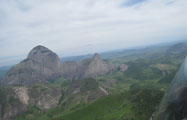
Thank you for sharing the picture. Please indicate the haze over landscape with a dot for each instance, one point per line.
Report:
(77, 27)
(93, 60)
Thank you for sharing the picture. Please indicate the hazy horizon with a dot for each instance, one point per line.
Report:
(17, 59)
(71, 28)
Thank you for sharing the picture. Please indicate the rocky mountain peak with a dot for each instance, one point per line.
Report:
(44, 57)
(43, 65)
(40, 65)
(97, 66)
(38, 50)
(87, 68)
(96, 56)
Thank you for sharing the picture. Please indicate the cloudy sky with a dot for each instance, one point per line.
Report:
(74, 27)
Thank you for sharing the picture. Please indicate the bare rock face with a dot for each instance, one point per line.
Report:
(174, 103)
(45, 57)
(16, 100)
(25, 84)
(123, 67)
(39, 66)
(42, 65)
(87, 68)
(44, 97)
(9, 104)
(72, 70)
(97, 67)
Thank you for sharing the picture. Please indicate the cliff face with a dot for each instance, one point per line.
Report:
(26, 84)
(87, 68)
(40, 64)
(174, 103)
(43, 65)
(45, 58)
(16, 100)
(97, 67)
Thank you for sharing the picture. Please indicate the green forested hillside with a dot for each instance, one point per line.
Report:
(132, 105)
(133, 94)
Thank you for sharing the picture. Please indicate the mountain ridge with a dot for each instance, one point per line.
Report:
(43, 65)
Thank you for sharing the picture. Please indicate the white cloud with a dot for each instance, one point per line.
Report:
(72, 27)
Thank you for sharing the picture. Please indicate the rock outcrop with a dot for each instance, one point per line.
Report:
(43, 65)
(174, 103)
(39, 66)
(97, 67)
(123, 67)
(87, 68)
(16, 100)
(45, 57)
(26, 84)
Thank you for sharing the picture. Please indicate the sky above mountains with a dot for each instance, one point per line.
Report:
(74, 27)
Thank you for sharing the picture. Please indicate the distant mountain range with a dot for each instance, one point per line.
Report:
(28, 83)
(42, 65)
(42, 81)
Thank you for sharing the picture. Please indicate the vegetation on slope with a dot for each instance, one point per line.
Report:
(134, 94)
(123, 106)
